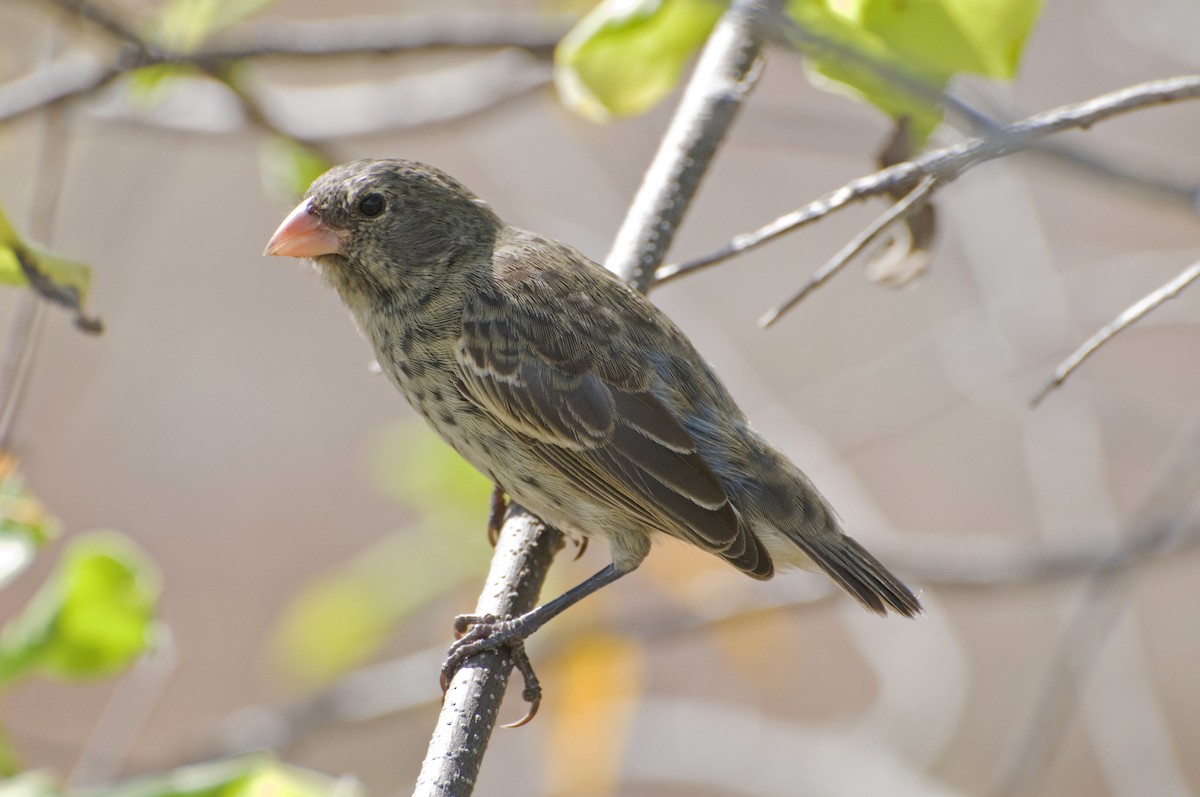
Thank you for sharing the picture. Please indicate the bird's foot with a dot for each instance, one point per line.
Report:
(582, 543)
(478, 633)
(496, 516)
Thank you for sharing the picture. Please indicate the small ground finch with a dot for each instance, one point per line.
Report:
(565, 387)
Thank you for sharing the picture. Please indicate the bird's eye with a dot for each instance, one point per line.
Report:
(371, 205)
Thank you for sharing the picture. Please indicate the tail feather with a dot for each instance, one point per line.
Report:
(863, 576)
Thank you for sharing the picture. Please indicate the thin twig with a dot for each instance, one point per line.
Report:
(1131, 314)
(912, 202)
(725, 74)
(948, 163)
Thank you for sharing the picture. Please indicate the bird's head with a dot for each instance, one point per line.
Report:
(385, 227)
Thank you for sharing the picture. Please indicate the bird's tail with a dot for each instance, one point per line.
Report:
(861, 574)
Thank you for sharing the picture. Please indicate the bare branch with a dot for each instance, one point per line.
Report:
(389, 35)
(948, 163)
(726, 73)
(530, 35)
(1131, 314)
(911, 203)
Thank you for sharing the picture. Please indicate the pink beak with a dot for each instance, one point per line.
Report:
(302, 234)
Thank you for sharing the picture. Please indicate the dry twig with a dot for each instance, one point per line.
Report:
(948, 163)
(1131, 314)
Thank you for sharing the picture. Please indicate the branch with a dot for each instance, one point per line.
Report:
(1134, 312)
(82, 76)
(716, 89)
(947, 163)
(537, 33)
(523, 555)
(64, 80)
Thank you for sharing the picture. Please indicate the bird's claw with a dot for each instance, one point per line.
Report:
(499, 507)
(478, 633)
(582, 543)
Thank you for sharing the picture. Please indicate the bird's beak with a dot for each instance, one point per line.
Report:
(302, 234)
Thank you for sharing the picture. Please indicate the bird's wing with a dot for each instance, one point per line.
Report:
(544, 379)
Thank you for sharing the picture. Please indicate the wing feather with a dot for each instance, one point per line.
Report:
(585, 401)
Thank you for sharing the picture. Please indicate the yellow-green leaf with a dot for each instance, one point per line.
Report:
(983, 37)
(880, 47)
(625, 55)
(93, 617)
(55, 277)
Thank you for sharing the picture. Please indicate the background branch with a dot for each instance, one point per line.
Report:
(948, 163)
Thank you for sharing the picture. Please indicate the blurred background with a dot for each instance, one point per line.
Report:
(313, 541)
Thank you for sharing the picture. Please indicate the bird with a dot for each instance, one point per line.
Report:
(569, 390)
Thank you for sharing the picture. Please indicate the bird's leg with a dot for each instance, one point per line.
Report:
(496, 514)
(479, 633)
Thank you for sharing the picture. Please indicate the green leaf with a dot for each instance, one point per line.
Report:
(93, 617)
(55, 277)
(184, 25)
(24, 524)
(872, 47)
(248, 776)
(626, 55)
(623, 57)
(289, 167)
(983, 37)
